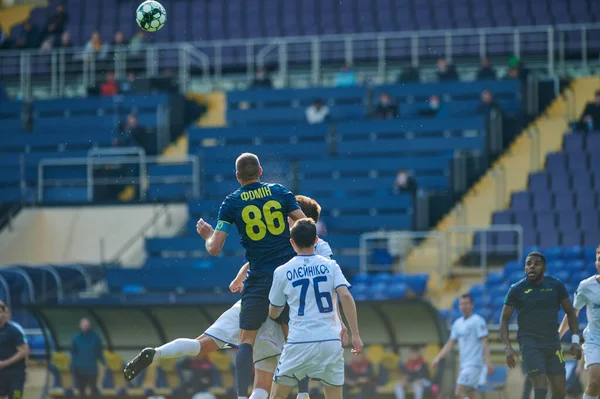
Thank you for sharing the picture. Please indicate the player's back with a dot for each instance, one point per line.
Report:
(309, 283)
(259, 211)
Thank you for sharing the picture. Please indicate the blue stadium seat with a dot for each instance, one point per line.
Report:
(494, 279)
(361, 278)
(573, 252)
(553, 253)
(397, 290)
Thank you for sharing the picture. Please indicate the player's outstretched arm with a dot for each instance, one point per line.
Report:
(444, 352)
(511, 355)
(351, 315)
(237, 285)
(275, 311)
(214, 238)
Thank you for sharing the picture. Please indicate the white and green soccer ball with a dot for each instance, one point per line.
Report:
(151, 16)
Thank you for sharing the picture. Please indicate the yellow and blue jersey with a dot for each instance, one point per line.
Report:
(259, 211)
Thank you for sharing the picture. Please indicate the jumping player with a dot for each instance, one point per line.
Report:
(309, 284)
(537, 299)
(225, 331)
(471, 333)
(259, 211)
(588, 294)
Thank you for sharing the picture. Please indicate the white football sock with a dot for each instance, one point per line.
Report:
(242, 397)
(302, 395)
(586, 396)
(179, 348)
(259, 393)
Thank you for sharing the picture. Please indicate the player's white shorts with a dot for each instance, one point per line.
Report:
(591, 353)
(269, 340)
(471, 376)
(322, 361)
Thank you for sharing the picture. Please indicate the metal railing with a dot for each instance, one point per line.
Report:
(459, 245)
(69, 71)
(133, 162)
(440, 249)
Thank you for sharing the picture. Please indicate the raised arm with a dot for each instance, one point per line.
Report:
(564, 324)
(214, 238)
(351, 315)
(297, 214)
(507, 312)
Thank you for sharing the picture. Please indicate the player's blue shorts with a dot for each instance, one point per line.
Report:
(255, 296)
(12, 384)
(543, 361)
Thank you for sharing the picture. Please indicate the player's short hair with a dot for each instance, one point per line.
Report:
(539, 255)
(304, 233)
(310, 207)
(248, 166)
(467, 296)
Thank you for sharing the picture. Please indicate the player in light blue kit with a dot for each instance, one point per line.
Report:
(310, 285)
(471, 333)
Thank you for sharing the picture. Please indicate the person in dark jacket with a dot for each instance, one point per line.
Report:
(13, 353)
(29, 38)
(446, 72)
(262, 80)
(386, 108)
(86, 351)
(487, 104)
(590, 118)
(486, 72)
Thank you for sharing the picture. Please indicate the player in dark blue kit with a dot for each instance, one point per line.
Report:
(537, 299)
(13, 352)
(259, 211)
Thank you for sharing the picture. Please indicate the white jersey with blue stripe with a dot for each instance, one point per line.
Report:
(308, 284)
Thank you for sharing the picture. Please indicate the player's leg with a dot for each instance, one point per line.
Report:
(16, 386)
(279, 391)
(253, 313)
(467, 382)
(556, 373)
(462, 392)
(535, 367)
(332, 392)
(181, 347)
(263, 377)
(303, 389)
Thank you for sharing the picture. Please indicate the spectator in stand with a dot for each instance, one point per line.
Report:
(126, 85)
(487, 103)
(137, 44)
(415, 373)
(58, 20)
(130, 133)
(119, 39)
(95, 47)
(50, 37)
(13, 356)
(29, 38)
(345, 77)
(109, 87)
(486, 72)
(512, 73)
(318, 112)
(386, 108)
(65, 40)
(434, 107)
(409, 74)
(590, 118)
(405, 183)
(262, 80)
(360, 374)
(86, 352)
(446, 72)
(202, 375)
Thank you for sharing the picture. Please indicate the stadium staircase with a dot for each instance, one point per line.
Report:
(481, 201)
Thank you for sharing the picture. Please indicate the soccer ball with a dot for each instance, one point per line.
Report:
(151, 16)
